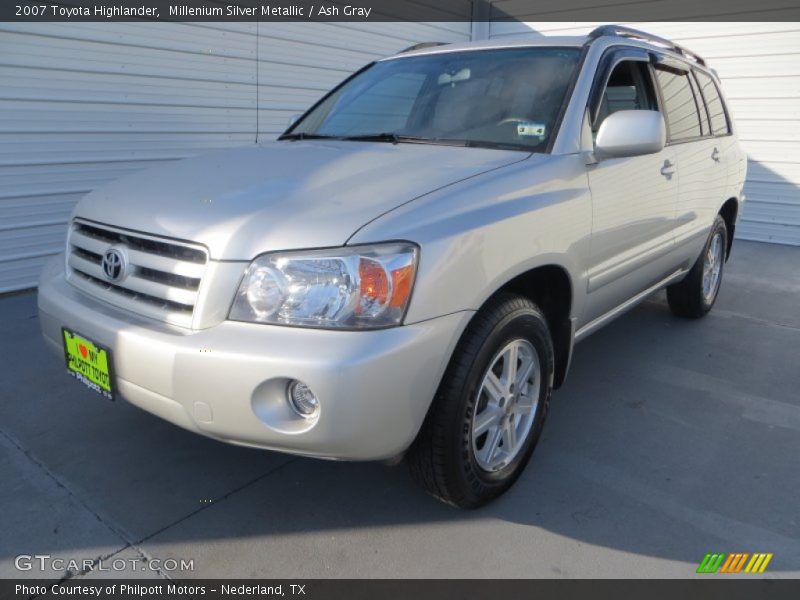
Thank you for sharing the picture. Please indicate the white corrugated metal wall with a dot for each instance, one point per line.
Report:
(759, 64)
(84, 103)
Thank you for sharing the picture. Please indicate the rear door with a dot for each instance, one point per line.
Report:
(699, 160)
(633, 198)
(725, 153)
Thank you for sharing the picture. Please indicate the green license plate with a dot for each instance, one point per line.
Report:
(89, 363)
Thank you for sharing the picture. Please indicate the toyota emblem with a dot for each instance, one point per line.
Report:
(114, 264)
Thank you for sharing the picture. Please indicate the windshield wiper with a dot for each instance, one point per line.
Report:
(307, 136)
(396, 138)
(374, 137)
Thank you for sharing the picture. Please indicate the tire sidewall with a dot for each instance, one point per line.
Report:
(719, 227)
(527, 324)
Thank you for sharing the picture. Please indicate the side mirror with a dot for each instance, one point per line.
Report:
(293, 119)
(631, 133)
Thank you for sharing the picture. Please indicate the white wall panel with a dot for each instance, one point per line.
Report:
(302, 61)
(542, 11)
(759, 64)
(84, 103)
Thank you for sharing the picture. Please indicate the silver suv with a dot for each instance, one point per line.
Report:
(405, 271)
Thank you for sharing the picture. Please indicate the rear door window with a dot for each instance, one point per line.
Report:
(716, 110)
(680, 104)
(704, 126)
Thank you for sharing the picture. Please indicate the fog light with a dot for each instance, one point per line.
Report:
(302, 399)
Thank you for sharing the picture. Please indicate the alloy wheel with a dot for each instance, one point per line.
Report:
(506, 405)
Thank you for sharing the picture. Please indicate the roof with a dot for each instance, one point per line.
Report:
(542, 40)
(611, 34)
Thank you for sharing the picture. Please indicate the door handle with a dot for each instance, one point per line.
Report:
(668, 170)
(715, 155)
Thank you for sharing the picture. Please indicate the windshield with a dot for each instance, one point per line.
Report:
(502, 98)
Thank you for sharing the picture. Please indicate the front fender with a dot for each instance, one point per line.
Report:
(479, 234)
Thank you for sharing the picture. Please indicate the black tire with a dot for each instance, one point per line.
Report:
(686, 298)
(442, 459)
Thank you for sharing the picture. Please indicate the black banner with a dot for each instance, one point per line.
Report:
(711, 588)
(397, 10)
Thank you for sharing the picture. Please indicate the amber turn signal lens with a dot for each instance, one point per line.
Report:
(402, 279)
(376, 293)
(374, 283)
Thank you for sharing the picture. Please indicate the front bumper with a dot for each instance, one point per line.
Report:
(228, 382)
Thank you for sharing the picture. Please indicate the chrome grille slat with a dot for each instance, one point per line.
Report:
(88, 243)
(78, 263)
(163, 276)
(142, 259)
(92, 257)
(157, 290)
(149, 300)
(142, 242)
(167, 265)
(178, 281)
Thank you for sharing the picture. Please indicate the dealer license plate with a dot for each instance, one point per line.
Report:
(89, 362)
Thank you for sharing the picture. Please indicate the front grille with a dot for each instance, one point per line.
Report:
(161, 278)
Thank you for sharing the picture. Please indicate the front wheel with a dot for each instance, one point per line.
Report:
(490, 407)
(695, 295)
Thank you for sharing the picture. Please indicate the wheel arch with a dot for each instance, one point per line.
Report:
(730, 213)
(550, 287)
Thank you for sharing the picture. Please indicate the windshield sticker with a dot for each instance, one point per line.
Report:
(529, 128)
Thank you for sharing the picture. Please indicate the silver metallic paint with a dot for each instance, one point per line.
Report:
(281, 195)
(631, 133)
(617, 228)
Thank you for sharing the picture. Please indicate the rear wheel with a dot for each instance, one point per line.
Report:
(490, 407)
(696, 294)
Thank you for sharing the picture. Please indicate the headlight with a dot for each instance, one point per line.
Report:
(360, 287)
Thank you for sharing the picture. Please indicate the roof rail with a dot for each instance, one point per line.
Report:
(422, 46)
(620, 31)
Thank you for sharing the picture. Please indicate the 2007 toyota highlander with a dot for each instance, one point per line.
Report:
(407, 268)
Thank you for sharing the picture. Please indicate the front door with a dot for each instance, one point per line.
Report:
(633, 203)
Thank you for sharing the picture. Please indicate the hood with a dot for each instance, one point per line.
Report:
(282, 195)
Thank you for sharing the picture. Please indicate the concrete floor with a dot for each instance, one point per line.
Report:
(670, 439)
